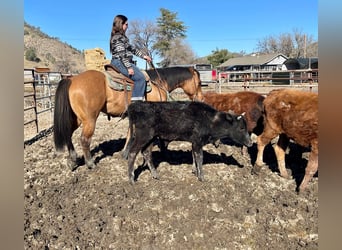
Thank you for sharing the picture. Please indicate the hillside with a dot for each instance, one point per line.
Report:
(41, 50)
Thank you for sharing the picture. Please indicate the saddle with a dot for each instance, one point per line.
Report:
(120, 82)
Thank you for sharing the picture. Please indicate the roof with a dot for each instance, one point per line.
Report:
(251, 60)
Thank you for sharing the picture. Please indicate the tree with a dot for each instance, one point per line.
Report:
(291, 45)
(180, 53)
(50, 57)
(63, 65)
(219, 56)
(169, 29)
(143, 34)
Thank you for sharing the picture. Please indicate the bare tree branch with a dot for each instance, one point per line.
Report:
(296, 44)
(143, 35)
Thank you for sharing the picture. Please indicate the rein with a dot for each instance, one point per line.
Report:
(160, 87)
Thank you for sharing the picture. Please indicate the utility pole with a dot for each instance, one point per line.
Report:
(304, 45)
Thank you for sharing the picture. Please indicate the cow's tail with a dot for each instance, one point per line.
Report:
(260, 122)
(124, 114)
(64, 118)
(260, 103)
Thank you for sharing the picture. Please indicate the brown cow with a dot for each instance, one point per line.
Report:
(248, 102)
(291, 114)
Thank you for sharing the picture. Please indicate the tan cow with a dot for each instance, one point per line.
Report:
(291, 114)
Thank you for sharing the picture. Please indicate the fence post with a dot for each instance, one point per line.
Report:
(35, 100)
(245, 82)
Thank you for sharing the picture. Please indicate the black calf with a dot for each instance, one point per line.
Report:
(195, 122)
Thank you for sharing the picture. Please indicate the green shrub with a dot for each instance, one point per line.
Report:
(31, 55)
(50, 58)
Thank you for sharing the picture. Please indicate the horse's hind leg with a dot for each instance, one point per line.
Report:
(71, 162)
(72, 159)
(87, 133)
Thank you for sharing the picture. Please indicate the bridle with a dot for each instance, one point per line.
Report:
(158, 83)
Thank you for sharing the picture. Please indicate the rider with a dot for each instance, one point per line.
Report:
(122, 55)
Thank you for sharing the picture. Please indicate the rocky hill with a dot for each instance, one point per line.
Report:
(41, 50)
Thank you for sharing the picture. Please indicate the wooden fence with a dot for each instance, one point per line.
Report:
(264, 81)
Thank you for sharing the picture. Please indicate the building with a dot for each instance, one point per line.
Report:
(301, 63)
(275, 68)
(255, 62)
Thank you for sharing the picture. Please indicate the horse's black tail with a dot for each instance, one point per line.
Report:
(64, 118)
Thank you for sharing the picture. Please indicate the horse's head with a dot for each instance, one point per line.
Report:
(171, 78)
(197, 94)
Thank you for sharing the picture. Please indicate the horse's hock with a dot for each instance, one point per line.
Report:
(95, 59)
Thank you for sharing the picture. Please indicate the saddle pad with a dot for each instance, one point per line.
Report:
(116, 85)
(121, 87)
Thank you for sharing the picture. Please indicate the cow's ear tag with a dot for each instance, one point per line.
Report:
(240, 116)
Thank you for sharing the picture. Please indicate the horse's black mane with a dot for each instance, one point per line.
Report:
(172, 75)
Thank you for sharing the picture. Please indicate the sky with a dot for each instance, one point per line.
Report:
(216, 24)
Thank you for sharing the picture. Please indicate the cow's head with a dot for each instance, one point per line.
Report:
(238, 131)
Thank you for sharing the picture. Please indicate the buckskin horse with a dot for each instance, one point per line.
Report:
(81, 98)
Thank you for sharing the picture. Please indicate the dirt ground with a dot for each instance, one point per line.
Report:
(99, 209)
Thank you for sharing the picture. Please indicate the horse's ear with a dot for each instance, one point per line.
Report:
(192, 70)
